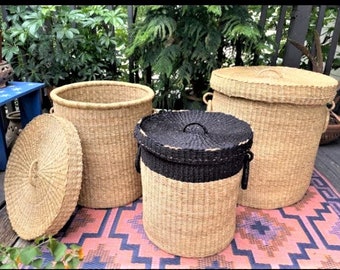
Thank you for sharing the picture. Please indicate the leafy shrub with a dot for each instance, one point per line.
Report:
(181, 45)
(63, 257)
(58, 44)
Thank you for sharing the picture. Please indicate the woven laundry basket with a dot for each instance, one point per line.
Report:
(105, 114)
(192, 164)
(286, 108)
(43, 176)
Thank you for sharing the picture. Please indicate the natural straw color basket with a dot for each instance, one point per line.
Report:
(286, 107)
(189, 219)
(43, 177)
(192, 165)
(105, 114)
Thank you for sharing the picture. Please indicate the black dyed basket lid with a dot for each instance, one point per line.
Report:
(194, 136)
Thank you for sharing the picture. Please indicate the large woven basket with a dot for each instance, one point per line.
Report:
(286, 107)
(191, 167)
(105, 114)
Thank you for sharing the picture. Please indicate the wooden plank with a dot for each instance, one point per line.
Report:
(334, 43)
(4, 14)
(7, 236)
(319, 24)
(22, 243)
(327, 162)
(278, 36)
(298, 29)
(130, 10)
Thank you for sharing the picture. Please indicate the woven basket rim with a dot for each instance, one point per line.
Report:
(263, 83)
(55, 95)
(192, 155)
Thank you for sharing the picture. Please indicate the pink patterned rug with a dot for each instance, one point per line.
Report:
(305, 235)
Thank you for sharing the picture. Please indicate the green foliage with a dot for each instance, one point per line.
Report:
(63, 257)
(273, 14)
(174, 48)
(270, 44)
(321, 41)
(57, 45)
(183, 44)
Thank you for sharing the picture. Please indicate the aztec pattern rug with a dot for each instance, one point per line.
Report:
(305, 235)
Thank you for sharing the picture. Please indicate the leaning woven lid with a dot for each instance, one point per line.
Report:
(194, 137)
(277, 84)
(43, 177)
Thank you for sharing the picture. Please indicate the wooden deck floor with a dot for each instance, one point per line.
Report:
(327, 162)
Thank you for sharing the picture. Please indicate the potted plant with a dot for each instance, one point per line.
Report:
(333, 129)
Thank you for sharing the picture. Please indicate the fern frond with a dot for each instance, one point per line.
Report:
(166, 60)
(162, 27)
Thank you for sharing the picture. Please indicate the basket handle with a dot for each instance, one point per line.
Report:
(137, 160)
(335, 116)
(245, 175)
(208, 102)
(195, 123)
(266, 70)
(330, 109)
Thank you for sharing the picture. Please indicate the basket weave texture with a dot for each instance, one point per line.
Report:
(191, 169)
(105, 114)
(286, 107)
(189, 219)
(43, 177)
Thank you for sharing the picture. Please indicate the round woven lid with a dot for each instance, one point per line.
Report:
(277, 84)
(43, 177)
(194, 137)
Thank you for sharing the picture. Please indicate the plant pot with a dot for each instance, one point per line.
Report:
(13, 129)
(6, 73)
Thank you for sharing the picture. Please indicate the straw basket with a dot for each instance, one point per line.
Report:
(286, 107)
(105, 114)
(191, 173)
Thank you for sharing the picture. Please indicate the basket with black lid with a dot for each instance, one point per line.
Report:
(192, 164)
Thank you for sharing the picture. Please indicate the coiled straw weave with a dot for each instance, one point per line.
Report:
(286, 107)
(43, 177)
(105, 114)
